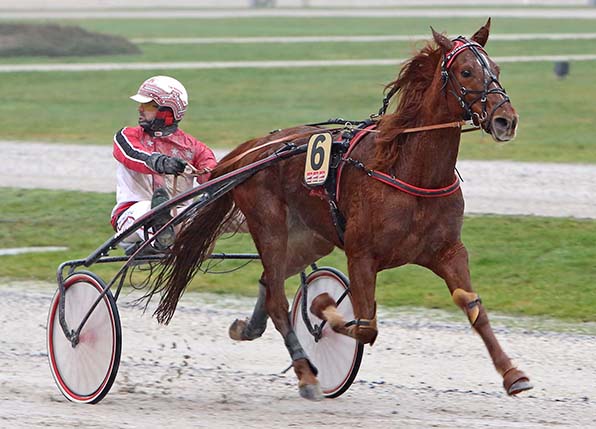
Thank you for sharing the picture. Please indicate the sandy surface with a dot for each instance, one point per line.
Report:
(500, 187)
(427, 369)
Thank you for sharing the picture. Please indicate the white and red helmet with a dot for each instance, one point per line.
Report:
(166, 92)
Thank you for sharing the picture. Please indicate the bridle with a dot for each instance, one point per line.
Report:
(460, 92)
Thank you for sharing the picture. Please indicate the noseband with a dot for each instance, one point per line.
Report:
(461, 44)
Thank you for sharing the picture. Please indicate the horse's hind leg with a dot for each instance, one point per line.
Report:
(278, 309)
(252, 328)
(269, 230)
(305, 247)
(453, 268)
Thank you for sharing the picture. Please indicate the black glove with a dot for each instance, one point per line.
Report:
(164, 164)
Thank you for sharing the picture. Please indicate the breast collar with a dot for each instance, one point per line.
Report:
(389, 179)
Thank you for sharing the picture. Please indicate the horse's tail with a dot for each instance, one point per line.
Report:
(192, 246)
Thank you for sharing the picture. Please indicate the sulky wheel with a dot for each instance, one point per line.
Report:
(85, 373)
(336, 356)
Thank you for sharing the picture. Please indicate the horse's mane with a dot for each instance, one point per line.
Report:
(411, 85)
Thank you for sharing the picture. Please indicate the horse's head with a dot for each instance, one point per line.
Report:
(473, 78)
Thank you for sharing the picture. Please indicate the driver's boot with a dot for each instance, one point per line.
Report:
(166, 238)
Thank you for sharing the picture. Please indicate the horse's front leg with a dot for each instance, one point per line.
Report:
(452, 266)
(362, 275)
(301, 252)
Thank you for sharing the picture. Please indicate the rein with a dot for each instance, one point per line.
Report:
(455, 124)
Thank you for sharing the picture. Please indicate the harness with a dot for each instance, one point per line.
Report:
(330, 189)
(351, 136)
(340, 156)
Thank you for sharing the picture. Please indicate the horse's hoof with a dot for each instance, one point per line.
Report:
(515, 381)
(311, 392)
(519, 387)
(320, 303)
(236, 329)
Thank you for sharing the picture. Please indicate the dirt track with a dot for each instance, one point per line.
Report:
(427, 369)
(498, 187)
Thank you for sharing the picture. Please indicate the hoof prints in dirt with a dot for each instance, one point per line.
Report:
(425, 370)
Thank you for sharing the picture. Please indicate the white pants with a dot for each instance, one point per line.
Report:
(130, 216)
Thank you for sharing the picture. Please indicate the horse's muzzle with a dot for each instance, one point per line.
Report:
(503, 128)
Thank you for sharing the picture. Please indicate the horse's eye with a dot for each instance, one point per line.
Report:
(466, 73)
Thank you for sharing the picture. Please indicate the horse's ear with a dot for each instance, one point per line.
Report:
(481, 36)
(442, 41)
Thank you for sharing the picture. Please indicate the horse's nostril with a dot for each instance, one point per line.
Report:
(501, 123)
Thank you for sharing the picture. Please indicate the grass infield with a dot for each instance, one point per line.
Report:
(228, 107)
(231, 106)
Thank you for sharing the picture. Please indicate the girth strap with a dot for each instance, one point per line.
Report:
(338, 219)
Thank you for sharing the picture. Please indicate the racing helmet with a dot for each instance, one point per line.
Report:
(171, 97)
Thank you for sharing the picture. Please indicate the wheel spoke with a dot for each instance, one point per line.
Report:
(85, 373)
(336, 356)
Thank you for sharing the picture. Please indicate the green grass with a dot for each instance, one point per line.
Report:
(519, 265)
(304, 51)
(555, 124)
(230, 106)
(325, 26)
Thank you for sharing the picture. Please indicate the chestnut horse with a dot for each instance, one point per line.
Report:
(442, 85)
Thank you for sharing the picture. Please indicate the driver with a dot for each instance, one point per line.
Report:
(151, 157)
